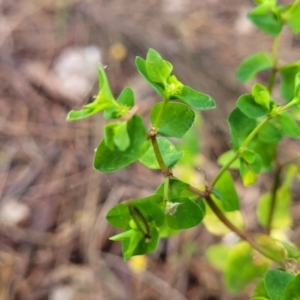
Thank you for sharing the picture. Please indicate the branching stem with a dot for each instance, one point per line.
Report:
(243, 235)
(274, 71)
(241, 148)
(224, 168)
(221, 216)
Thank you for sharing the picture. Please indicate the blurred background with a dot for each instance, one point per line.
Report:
(53, 232)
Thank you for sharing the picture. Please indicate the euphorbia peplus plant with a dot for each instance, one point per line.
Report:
(257, 124)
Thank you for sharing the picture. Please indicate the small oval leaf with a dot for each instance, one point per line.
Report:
(175, 120)
(188, 214)
(195, 99)
(107, 160)
(241, 268)
(252, 65)
(276, 282)
(247, 104)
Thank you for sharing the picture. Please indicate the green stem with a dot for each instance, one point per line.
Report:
(166, 189)
(224, 168)
(165, 170)
(272, 205)
(254, 132)
(241, 148)
(220, 215)
(293, 6)
(288, 105)
(272, 78)
(196, 191)
(243, 235)
(249, 139)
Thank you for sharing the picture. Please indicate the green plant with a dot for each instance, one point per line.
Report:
(257, 124)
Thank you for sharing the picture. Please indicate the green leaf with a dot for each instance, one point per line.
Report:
(188, 214)
(116, 136)
(282, 218)
(294, 20)
(109, 135)
(195, 99)
(124, 103)
(261, 96)
(249, 156)
(266, 152)
(176, 187)
(129, 245)
(158, 70)
(288, 125)
(103, 100)
(263, 8)
(260, 290)
(121, 137)
(225, 191)
(224, 158)
(168, 151)
(272, 248)
(138, 244)
(275, 283)
(150, 209)
(217, 255)
(105, 93)
(248, 173)
(292, 252)
(287, 86)
(165, 231)
(292, 290)
(269, 134)
(252, 65)
(267, 23)
(190, 144)
(107, 160)
(175, 119)
(119, 216)
(195, 198)
(259, 298)
(247, 104)
(255, 165)
(241, 268)
(123, 236)
(141, 67)
(88, 110)
(240, 127)
(259, 2)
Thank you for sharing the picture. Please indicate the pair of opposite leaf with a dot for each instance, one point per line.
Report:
(125, 141)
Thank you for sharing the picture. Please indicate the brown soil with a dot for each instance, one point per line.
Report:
(53, 232)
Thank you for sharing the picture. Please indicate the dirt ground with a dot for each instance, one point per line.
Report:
(53, 232)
